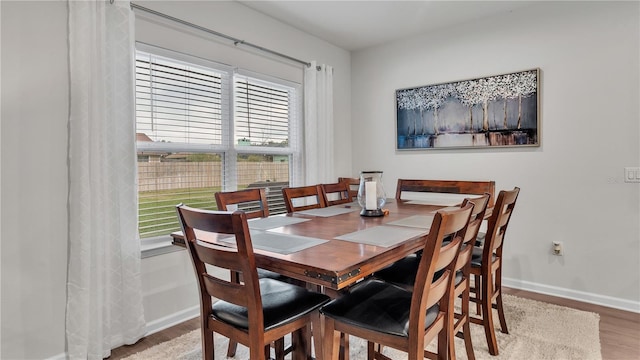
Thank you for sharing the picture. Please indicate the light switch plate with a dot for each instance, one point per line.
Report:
(632, 174)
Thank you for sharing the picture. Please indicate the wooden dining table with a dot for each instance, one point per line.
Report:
(335, 247)
(336, 264)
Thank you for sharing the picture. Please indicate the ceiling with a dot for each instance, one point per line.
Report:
(355, 25)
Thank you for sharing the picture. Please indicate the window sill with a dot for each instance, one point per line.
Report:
(157, 246)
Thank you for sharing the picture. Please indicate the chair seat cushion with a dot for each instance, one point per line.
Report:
(378, 306)
(403, 272)
(267, 274)
(476, 257)
(480, 239)
(281, 303)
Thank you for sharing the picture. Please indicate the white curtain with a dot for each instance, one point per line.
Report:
(318, 124)
(104, 295)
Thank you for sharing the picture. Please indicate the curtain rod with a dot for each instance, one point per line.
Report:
(236, 41)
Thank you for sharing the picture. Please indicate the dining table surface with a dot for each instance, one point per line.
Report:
(335, 246)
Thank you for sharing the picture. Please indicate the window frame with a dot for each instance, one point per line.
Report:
(228, 149)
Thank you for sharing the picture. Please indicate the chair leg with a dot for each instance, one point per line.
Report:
(316, 333)
(331, 340)
(467, 341)
(279, 348)
(499, 305)
(443, 347)
(231, 350)
(466, 328)
(344, 346)
(267, 352)
(208, 347)
(371, 350)
(233, 345)
(487, 315)
(478, 293)
(301, 343)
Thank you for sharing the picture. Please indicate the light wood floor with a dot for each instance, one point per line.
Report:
(619, 330)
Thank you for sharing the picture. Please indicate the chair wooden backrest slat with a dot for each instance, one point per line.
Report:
(339, 189)
(499, 220)
(354, 184)
(447, 186)
(290, 194)
(252, 201)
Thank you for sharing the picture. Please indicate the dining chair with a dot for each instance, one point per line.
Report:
(403, 273)
(446, 186)
(486, 268)
(335, 193)
(389, 315)
(254, 204)
(252, 201)
(303, 198)
(255, 312)
(354, 184)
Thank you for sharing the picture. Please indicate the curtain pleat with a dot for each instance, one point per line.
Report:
(104, 294)
(318, 124)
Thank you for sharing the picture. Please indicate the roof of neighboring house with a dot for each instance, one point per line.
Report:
(143, 137)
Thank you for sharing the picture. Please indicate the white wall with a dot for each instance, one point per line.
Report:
(572, 187)
(34, 156)
(34, 178)
(587, 52)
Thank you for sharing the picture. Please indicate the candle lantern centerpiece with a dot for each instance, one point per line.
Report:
(371, 195)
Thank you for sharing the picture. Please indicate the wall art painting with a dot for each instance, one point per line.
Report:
(493, 111)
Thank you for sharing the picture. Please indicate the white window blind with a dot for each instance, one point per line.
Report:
(189, 145)
(261, 113)
(178, 102)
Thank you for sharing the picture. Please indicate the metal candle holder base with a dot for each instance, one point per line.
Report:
(371, 213)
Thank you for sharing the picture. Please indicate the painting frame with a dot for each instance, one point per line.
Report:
(497, 111)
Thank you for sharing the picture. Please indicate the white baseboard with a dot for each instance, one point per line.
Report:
(157, 325)
(173, 319)
(590, 298)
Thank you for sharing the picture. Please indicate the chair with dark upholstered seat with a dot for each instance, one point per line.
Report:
(254, 204)
(252, 201)
(303, 198)
(335, 193)
(389, 315)
(255, 312)
(403, 273)
(486, 268)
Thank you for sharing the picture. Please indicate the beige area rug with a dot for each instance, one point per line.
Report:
(537, 331)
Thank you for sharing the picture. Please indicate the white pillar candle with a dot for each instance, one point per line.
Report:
(370, 188)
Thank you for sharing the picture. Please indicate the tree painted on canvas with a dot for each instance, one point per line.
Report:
(467, 92)
(434, 96)
(408, 100)
(497, 97)
(525, 86)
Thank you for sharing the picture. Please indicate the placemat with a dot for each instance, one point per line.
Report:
(418, 221)
(383, 235)
(273, 222)
(330, 211)
(284, 244)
